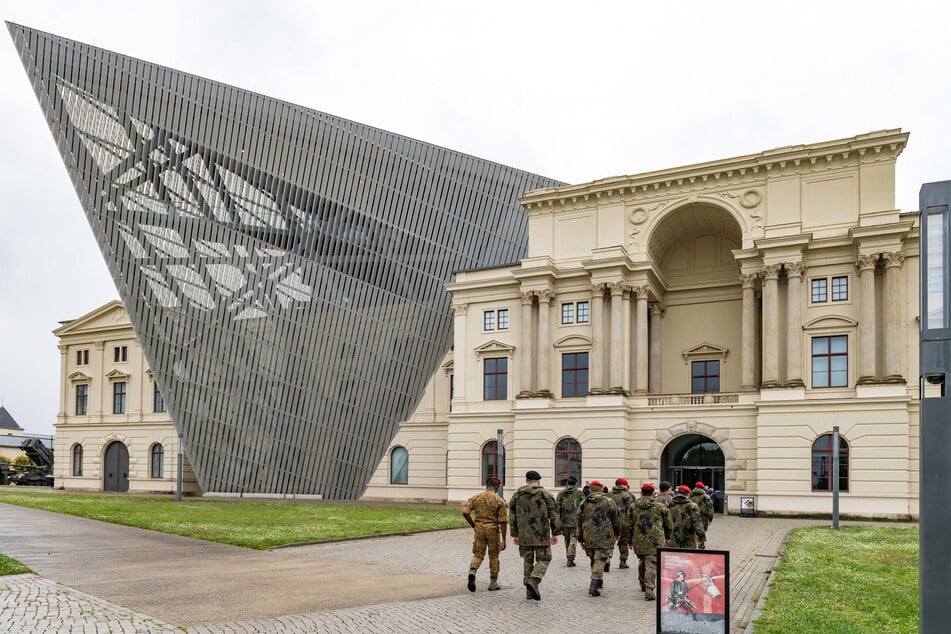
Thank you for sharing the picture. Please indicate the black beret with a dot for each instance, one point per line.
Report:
(533, 475)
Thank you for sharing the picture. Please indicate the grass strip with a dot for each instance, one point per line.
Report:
(10, 566)
(855, 580)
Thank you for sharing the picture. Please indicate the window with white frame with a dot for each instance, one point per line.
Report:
(575, 313)
(820, 287)
(830, 361)
(497, 319)
(82, 357)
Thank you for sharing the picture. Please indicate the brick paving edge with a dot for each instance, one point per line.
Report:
(751, 626)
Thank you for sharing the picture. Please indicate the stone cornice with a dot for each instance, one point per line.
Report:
(723, 175)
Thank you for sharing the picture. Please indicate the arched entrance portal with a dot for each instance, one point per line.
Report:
(695, 457)
(115, 468)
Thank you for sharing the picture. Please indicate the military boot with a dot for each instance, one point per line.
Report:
(624, 564)
(593, 589)
(607, 565)
(649, 594)
(532, 586)
(571, 562)
(471, 584)
(494, 583)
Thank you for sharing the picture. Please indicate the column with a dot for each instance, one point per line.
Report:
(528, 354)
(771, 326)
(794, 271)
(65, 384)
(893, 317)
(867, 343)
(596, 363)
(640, 336)
(749, 333)
(544, 343)
(654, 362)
(617, 330)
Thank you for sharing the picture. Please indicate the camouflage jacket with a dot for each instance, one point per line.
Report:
(687, 523)
(599, 521)
(702, 499)
(665, 498)
(567, 503)
(623, 498)
(489, 509)
(650, 521)
(532, 516)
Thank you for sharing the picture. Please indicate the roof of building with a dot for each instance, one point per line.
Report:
(7, 421)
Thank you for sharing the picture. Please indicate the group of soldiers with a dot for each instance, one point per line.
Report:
(675, 518)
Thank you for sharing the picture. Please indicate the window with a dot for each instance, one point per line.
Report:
(82, 399)
(158, 401)
(830, 361)
(567, 460)
(157, 461)
(574, 374)
(574, 312)
(495, 319)
(822, 464)
(82, 357)
(820, 289)
(118, 397)
(495, 379)
(704, 377)
(77, 460)
(840, 288)
(399, 466)
(490, 460)
(120, 353)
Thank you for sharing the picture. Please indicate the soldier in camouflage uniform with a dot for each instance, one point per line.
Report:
(685, 517)
(702, 499)
(567, 503)
(491, 517)
(599, 527)
(623, 499)
(651, 527)
(665, 494)
(533, 523)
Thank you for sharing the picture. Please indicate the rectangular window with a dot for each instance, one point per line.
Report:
(158, 401)
(840, 288)
(495, 379)
(704, 377)
(582, 312)
(830, 361)
(503, 319)
(82, 357)
(118, 397)
(82, 399)
(819, 290)
(568, 313)
(488, 320)
(120, 354)
(574, 374)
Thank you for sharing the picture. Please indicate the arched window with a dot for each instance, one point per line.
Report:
(77, 460)
(822, 464)
(157, 461)
(399, 466)
(567, 460)
(490, 460)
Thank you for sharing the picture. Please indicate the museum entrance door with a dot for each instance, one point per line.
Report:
(695, 458)
(115, 468)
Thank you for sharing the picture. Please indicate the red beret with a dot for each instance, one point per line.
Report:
(647, 485)
(621, 481)
(699, 484)
(493, 480)
(684, 488)
(595, 483)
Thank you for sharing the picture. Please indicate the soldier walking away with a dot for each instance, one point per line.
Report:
(664, 493)
(534, 524)
(623, 499)
(489, 529)
(685, 518)
(702, 499)
(599, 527)
(651, 528)
(567, 503)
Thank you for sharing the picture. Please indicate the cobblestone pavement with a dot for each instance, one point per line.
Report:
(29, 603)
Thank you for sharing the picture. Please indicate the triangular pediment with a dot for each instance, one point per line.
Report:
(107, 317)
(116, 375)
(706, 349)
(830, 321)
(494, 347)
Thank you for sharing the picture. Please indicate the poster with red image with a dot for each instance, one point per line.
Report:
(693, 591)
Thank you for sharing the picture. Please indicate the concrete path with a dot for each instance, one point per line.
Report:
(97, 577)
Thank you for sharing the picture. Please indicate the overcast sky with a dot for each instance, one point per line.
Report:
(574, 91)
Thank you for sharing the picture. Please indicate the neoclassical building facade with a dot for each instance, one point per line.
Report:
(716, 321)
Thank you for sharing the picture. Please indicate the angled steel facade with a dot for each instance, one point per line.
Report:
(283, 268)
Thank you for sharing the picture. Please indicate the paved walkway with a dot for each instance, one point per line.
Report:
(96, 577)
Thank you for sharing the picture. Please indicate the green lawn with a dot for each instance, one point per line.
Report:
(856, 579)
(11, 566)
(253, 524)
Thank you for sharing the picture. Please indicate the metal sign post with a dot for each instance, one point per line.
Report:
(835, 477)
(500, 461)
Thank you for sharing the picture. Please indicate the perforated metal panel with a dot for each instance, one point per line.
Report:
(283, 268)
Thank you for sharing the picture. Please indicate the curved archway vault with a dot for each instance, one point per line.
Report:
(731, 464)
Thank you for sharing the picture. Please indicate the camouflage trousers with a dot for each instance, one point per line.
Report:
(599, 557)
(570, 533)
(535, 560)
(486, 538)
(647, 571)
(624, 543)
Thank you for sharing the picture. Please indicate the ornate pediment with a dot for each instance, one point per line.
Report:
(494, 348)
(705, 350)
(79, 377)
(449, 366)
(573, 341)
(830, 321)
(116, 375)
